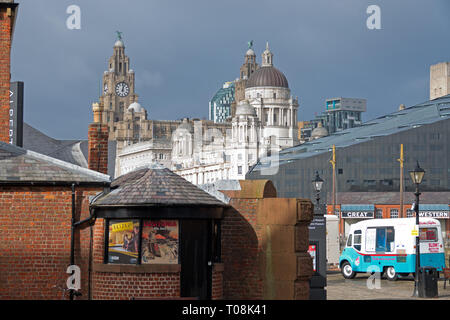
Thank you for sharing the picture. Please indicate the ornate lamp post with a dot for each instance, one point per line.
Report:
(416, 177)
(317, 184)
(318, 246)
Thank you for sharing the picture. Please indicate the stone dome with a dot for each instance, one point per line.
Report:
(119, 43)
(135, 106)
(319, 132)
(267, 77)
(250, 52)
(244, 109)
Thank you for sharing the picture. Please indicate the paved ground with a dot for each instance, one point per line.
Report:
(339, 288)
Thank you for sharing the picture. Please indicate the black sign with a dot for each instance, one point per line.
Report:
(16, 114)
(318, 250)
(357, 214)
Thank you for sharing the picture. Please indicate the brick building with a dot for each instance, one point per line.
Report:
(35, 219)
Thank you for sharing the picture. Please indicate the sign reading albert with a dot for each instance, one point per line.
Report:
(16, 114)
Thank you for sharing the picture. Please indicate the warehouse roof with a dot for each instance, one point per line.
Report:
(402, 120)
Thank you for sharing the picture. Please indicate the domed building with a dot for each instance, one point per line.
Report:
(267, 90)
(245, 144)
(319, 132)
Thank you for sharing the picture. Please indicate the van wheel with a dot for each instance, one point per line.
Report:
(391, 274)
(347, 270)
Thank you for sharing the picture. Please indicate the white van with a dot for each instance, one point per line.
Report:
(389, 246)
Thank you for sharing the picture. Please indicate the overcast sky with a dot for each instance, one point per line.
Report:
(182, 52)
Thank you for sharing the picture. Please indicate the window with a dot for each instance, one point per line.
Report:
(379, 214)
(393, 213)
(357, 240)
(428, 234)
(410, 213)
(380, 239)
(139, 241)
(349, 240)
(239, 169)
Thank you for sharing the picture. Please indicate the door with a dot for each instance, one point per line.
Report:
(195, 253)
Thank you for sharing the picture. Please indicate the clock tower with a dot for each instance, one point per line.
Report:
(118, 88)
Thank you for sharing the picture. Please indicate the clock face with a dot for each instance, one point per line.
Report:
(122, 89)
(105, 89)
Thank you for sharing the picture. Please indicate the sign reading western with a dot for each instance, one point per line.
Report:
(357, 214)
(434, 214)
(16, 113)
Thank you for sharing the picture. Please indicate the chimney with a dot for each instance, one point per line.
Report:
(98, 142)
(8, 10)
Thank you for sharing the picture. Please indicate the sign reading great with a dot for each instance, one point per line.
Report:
(357, 211)
(357, 214)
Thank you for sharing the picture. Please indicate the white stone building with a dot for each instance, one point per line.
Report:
(204, 152)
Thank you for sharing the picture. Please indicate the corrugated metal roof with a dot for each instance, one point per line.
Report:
(441, 198)
(357, 207)
(406, 119)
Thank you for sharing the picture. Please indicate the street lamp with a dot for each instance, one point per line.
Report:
(416, 177)
(317, 184)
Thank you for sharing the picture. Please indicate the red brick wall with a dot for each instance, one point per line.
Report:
(127, 286)
(264, 244)
(217, 282)
(240, 246)
(35, 235)
(5, 75)
(98, 157)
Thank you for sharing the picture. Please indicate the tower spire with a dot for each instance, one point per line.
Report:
(267, 57)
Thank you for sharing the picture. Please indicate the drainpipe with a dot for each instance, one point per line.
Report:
(72, 236)
(74, 224)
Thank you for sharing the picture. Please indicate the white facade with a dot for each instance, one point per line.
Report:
(141, 154)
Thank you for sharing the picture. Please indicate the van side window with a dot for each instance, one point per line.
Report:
(385, 238)
(371, 234)
(428, 234)
(357, 240)
(390, 239)
(349, 240)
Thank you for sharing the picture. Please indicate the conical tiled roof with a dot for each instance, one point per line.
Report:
(155, 186)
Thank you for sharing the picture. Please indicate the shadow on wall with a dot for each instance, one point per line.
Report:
(264, 244)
